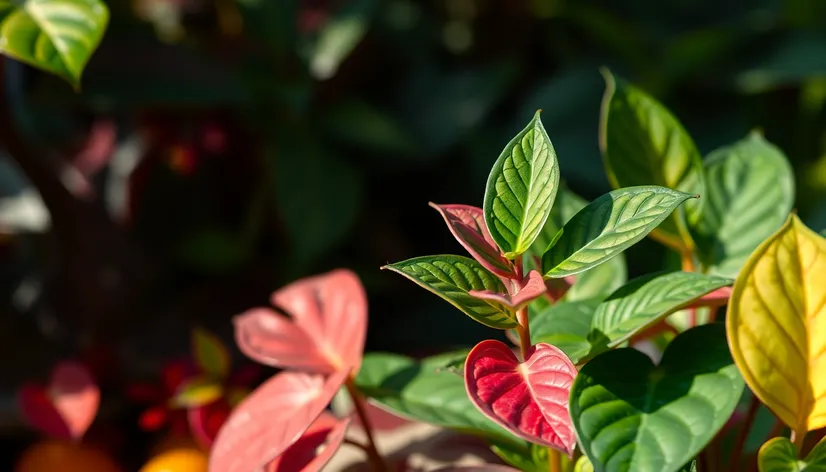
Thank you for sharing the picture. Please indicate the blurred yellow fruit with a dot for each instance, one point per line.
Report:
(65, 456)
(178, 460)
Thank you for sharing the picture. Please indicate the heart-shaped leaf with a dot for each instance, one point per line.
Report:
(632, 415)
(775, 325)
(529, 399)
(210, 354)
(780, 455)
(452, 278)
(304, 456)
(643, 143)
(423, 391)
(57, 36)
(327, 330)
(521, 189)
(749, 194)
(529, 289)
(607, 226)
(467, 223)
(67, 406)
(271, 419)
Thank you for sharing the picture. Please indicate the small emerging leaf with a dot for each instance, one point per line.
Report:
(521, 189)
(210, 354)
(452, 278)
(779, 455)
(531, 288)
(607, 226)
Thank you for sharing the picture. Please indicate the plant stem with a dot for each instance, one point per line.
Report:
(797, 439)
(370, 447)
(742, 435)
(554, 460)
(524, 331)
(687, 258)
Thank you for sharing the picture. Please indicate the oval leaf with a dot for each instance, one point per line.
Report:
(326, 432)
(749, 194)
(643, 143)
(452, 278)
(326, 334)
(780, 455)
(57, 36)
(775, 325)
(210, 354)
(632, 415)
(521, 189)
(467, 224)
(607, 226)
(529, 399)
(271, 419)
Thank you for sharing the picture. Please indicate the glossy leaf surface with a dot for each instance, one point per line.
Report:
(451, 278)
(749, 194)
(326, 332)
(776, 327)
(779, 455)
(529, 399)
(521, 189)
(210, 354)
(565, 325)
(531, 288)
(271, 419)
(644, 144)
(632, 415)
(467, 224)
(57, 36)
(607, 226)
(314, 448)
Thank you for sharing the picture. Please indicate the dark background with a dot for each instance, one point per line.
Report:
(229, 147)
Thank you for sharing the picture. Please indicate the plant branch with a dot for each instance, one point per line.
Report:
(361, 411)
(742, 435)
(554, 460)
(687, 259)
(524, 331)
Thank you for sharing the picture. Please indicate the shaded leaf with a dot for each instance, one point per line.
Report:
(632, 415)
(304, 455)
(521, 189)
(607, 226)
(452, 278)
(210, 354)
(529, 399)
(327, 330)
(780, 455)
(774, 314)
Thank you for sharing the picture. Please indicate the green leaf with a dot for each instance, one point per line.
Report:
(416, 390)
(521, 189)
(197, 391)
(210, 354)
(565, 325)
(780, 455)
(642, 144)
(607, 226)
(750, 193)
(533, 461)
(57, 36)
(648, 299)
(583, 464)
(632, 415)
(452, 277)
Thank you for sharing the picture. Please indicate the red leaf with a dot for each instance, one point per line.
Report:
(206, 421)
(271, 419)
(529, 399)
(67, 406)
(303, 455)
(153, 418)
(531, 288)
(327, 330)
(467, 223)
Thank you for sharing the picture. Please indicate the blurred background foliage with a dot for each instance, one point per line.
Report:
(219, 149)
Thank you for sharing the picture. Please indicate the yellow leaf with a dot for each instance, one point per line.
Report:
(776, 325)
(195, 392)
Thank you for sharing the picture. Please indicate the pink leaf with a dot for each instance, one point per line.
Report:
(557, 288)
(714, 299)
(303, 455)
(326, 332)
(467, 223)
(529, 399)
(67, 407)
(530, 289)
(271, 419)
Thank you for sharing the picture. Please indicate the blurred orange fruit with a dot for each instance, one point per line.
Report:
(65, 456)
(178, 460)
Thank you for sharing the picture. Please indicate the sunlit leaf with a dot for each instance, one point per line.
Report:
(749, 194)
(644, 144)
(632, 415)
(57, 36)
(325, 333)
(780, 455)
(451, 278)
(534, 405)
(467, 224)
(521, 189)
(583, 464)
(272, 419)
(303, 456)
(607, 226)
(210, 354)
(775, 328)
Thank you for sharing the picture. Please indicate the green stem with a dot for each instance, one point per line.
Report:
(554, 460)
(370, 447)
(742, 435)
